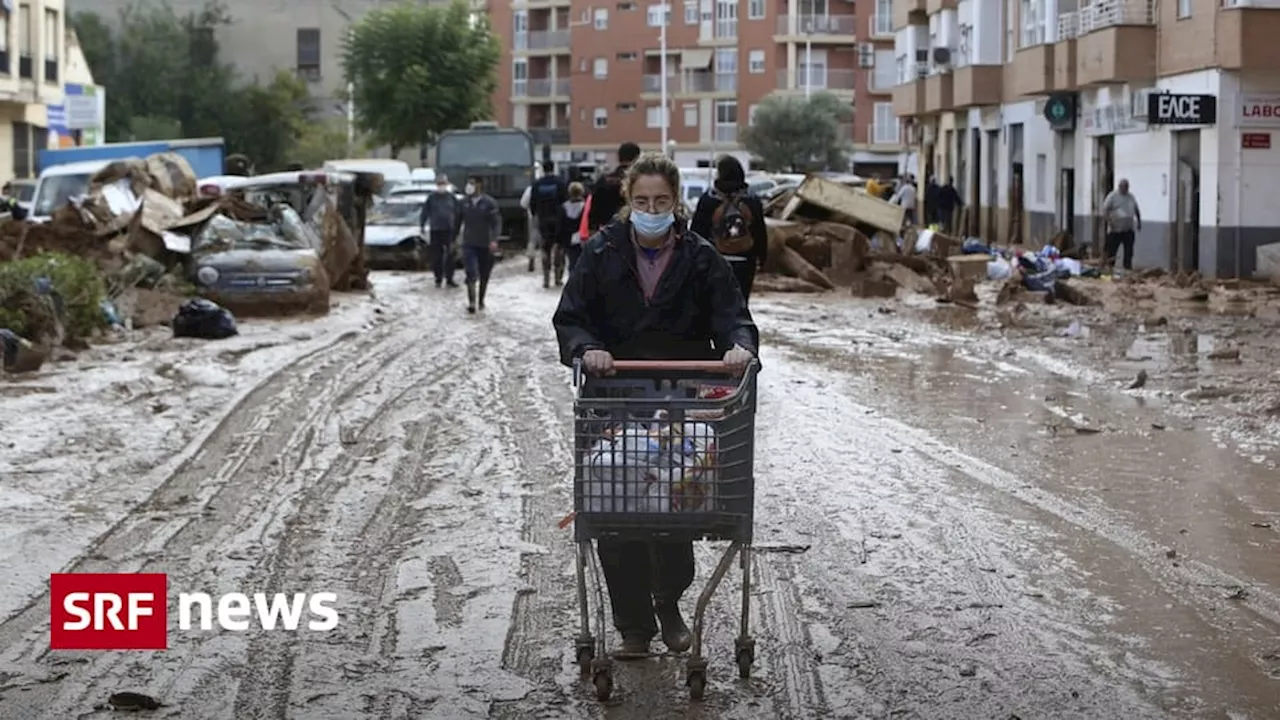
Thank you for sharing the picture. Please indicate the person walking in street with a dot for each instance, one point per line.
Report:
(549, 192)
(481, 226)
(906, 197)
(1123, 217)
(647, 288)
(567, 235)
(606, 196)
(732, 218)
(931, 192)
(441, 217)
(10, 204)
(948, 201)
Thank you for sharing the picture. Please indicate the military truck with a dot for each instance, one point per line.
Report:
(503, 159)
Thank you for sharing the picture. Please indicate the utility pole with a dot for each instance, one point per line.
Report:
(662, 80)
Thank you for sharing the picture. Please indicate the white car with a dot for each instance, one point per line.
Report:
(59, 184)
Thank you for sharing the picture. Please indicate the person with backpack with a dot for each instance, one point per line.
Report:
(732, 218)
(607, 195)
(547, 194)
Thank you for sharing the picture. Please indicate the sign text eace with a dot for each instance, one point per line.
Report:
(1174, 109)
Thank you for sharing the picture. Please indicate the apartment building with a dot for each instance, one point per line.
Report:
(1038, 108)
(585, 77)
(33, 52)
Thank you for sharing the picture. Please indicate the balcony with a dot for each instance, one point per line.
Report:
(977, 85)
(540, 88)
(1116, 43)
(1246, 34)
(908, 99)
(819, 28)
(939, 92)
(903, 10)
(936, 6)
(550, 136)
(822, 80)
(1031, 72)
(690, 83)
(542, 41)
(880, 26)
(1064, 52)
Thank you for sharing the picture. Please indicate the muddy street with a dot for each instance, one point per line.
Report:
(947, 526)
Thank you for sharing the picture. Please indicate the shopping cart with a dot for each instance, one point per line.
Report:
(663, 450)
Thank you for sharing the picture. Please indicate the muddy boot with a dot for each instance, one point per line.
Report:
(635, 647)
(533, 263)
(559, 266)
(546, 274)
(675, 634)
(484, 288)
(471, 297)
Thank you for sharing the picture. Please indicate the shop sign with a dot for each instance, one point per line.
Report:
(1260, 110)
(1177, 109)
(1255, 141)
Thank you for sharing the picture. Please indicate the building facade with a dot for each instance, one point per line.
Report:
(586, 77)
(1038, 108)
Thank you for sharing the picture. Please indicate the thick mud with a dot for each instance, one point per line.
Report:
(945, 529)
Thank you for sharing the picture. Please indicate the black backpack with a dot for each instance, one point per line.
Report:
(546, 197)
(731, 225)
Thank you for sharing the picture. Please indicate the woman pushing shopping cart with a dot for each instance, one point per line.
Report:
(663, 348)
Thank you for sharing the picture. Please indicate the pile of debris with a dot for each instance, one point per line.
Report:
(824, 235)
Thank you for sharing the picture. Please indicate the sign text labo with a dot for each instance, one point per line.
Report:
(1174, 109)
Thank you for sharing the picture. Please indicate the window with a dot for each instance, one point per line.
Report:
(51, 34)
(755, 9)
(751, 114)
(659, 14)
(884, 127)
(653, 116)
(602, 19)
(625, 6)
(308, 53)
(520, 77)
(691, 115)
(520, 29)
(1184, 9)
(882, 20)
(726, 25)
(626, 107)
(601, 70)
(813, 73)
(1032, 23)
(4, 38)
(24, 31)
(626, 56)
(690, 12)
(726, 121)
(1042, 176)
(601, 118)
(755, 61)
(726, 75)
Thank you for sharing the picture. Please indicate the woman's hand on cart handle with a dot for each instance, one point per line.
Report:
(701, 366)
(737, 359)
(598, 362)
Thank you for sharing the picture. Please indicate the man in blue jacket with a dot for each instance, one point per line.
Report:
(442, 214)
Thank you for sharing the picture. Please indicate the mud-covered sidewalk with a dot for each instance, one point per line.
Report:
(952, 522)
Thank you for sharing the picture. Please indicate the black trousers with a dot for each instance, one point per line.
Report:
(1115, 241)
(643, 574)
(572, 253)
(442, 255)
(745, 273)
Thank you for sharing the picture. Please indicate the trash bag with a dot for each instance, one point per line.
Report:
(974, 246)
(204, 319)
(924, 242)
(1044, 280)
(999, 269)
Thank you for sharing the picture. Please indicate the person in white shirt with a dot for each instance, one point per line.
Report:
(1123, 218)
(906, 197)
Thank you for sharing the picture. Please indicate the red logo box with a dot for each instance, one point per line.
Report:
(120, 611)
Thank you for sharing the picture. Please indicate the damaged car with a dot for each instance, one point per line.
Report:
(392, 239)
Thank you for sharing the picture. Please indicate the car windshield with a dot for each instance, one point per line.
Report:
(484, 149)
(57, 190)
(394, 213)
(24, 192)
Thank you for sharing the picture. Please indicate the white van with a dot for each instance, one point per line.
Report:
(394, 172)
(60, 183)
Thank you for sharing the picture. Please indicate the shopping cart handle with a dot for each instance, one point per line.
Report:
(712, 366)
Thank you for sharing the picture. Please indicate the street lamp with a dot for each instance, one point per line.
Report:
(662, 69)
(808, 58)
(351, 88)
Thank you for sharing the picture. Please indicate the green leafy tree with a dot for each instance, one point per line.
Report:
(165, 78)
(321, 141)
(418, 70)
(795, 134)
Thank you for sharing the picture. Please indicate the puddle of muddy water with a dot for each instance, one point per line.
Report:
(1108, 450)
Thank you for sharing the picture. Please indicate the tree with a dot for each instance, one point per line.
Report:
(319, 142)
(796, 134)
(419, 70)
(165, 79)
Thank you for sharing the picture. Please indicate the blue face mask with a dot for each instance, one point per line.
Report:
(651, 224)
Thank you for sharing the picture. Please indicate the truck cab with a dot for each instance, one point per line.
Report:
(59, 184)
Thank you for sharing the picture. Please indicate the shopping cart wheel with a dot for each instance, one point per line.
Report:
(697, 682)
(586, 653)
(746, 656)
(603, 680)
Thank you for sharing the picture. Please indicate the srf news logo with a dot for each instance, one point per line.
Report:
(129, 611)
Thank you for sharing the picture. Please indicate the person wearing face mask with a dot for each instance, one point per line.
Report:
(647, 288)
(441, 215)
(481, 226)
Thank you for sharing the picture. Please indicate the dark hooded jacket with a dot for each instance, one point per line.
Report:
(706, 211)
(696, 313)
(606, 198)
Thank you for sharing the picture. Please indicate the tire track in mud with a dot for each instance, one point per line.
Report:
(785, 682)
(224, 481)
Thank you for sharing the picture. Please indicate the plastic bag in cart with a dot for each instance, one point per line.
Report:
(623, 471)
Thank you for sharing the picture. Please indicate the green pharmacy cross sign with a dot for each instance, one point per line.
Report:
(1060, 111)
